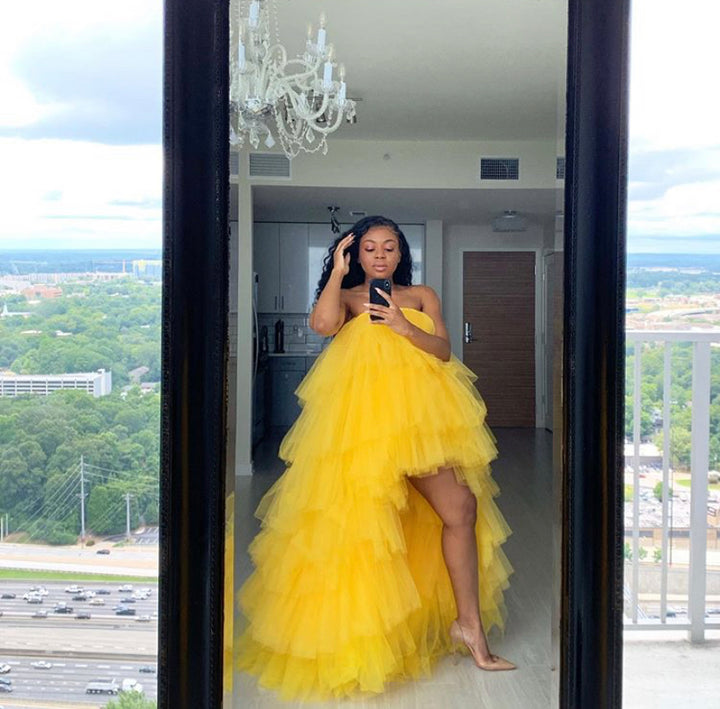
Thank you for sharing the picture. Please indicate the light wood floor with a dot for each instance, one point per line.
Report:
(523, 471)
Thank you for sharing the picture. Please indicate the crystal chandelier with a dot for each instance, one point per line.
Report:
(297, 100)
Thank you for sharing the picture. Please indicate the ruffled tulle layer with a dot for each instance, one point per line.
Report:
(350, 590)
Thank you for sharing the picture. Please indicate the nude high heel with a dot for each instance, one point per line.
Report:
(461, 645)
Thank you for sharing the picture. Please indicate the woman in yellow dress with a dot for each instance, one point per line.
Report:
(379, 550)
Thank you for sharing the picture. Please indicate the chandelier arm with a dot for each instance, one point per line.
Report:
(313, 116)
(310, 73)
(326, 130)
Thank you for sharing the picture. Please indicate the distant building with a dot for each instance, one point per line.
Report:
(649, 454)
(7, 314)
(147, 268)
(39, 291)
(96, 383)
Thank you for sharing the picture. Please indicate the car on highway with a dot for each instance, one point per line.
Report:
(39, 614)
(148, 669)
(5, 680)
(74, 589)
(8, 595)
(102, 551)
(97, 602)
(102, 592)
(62, 608)
(4, 668)
(131, 685)
(39, 589)
(142, 619)
(80, 597)
(6, 688)
(102, 686)
(126, 588)
(82, 615)
(41, 665)
(120, 610)
(128, 599)
(33, 598)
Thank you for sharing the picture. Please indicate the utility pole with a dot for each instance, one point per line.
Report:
(7, 524)
(2, 526)
(127, 515)
(82, 499)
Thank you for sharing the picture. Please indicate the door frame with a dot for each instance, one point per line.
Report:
(457, 335)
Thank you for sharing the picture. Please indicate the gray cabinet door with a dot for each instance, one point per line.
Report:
(320, 237)
(293, 267)
(266, 262)
(285, 408)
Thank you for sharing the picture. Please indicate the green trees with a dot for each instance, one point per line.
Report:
(131, 700)
(680, 400)
(115, 326)
(42, 440)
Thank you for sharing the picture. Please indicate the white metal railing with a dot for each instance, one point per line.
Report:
(697, 619)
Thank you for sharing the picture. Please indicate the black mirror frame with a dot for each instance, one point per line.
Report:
(594, 354)
(194, 353)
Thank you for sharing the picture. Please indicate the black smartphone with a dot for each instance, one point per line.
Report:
(375, 297)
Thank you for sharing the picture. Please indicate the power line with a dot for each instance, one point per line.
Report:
(62, 489)
(23, 509)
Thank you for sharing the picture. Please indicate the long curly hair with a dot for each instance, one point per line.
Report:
(355, 276)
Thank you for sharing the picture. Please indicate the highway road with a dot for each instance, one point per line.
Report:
(66, 680)
(79, 650)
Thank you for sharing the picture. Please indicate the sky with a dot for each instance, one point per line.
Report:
(81, 112)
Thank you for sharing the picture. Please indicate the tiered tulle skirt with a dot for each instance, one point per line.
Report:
(350, 590)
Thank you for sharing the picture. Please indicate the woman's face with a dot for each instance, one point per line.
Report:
(379, 252)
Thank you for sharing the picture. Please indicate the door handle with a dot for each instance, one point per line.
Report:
(276, 303)
(468, 333)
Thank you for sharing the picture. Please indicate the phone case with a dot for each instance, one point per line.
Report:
(375, 297)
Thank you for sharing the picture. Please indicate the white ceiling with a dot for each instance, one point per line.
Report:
(433, 70)
(443, 70)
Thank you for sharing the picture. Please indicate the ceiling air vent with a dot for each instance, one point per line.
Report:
(499, 168)
(560, 169)
(269, 165)
(234, 164)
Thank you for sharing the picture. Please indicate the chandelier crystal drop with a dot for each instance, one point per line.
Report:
(297, 101)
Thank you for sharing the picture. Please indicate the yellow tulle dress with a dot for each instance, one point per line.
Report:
(350, 590)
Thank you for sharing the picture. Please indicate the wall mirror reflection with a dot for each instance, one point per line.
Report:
(458, 137)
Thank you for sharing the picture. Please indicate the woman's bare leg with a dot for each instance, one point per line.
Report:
(456, 506)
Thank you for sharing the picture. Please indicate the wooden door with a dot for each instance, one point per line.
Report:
(499, 306)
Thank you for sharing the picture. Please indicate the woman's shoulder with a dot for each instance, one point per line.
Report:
(425, 295)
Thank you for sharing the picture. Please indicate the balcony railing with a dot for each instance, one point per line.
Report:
(686, 578)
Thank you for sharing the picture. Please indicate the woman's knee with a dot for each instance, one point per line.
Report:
(464, 513)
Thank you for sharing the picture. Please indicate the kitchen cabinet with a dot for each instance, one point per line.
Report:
(266, 263)
(260, 392)
(288, 258)
(280, 258)
(286, 373)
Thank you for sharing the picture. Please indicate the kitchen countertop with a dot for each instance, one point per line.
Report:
(305, 353)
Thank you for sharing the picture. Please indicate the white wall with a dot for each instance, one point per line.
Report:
(419, 164)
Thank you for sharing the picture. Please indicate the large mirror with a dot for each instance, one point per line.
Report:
(459, 138)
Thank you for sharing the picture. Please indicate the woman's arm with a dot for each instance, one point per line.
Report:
(392, 316)
(330, 311)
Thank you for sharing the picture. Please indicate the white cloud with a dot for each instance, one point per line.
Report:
(58, 192)
(683, 210)
(675, 55)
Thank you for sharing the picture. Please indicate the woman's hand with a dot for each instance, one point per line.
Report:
(390, 315)
(341, 260)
